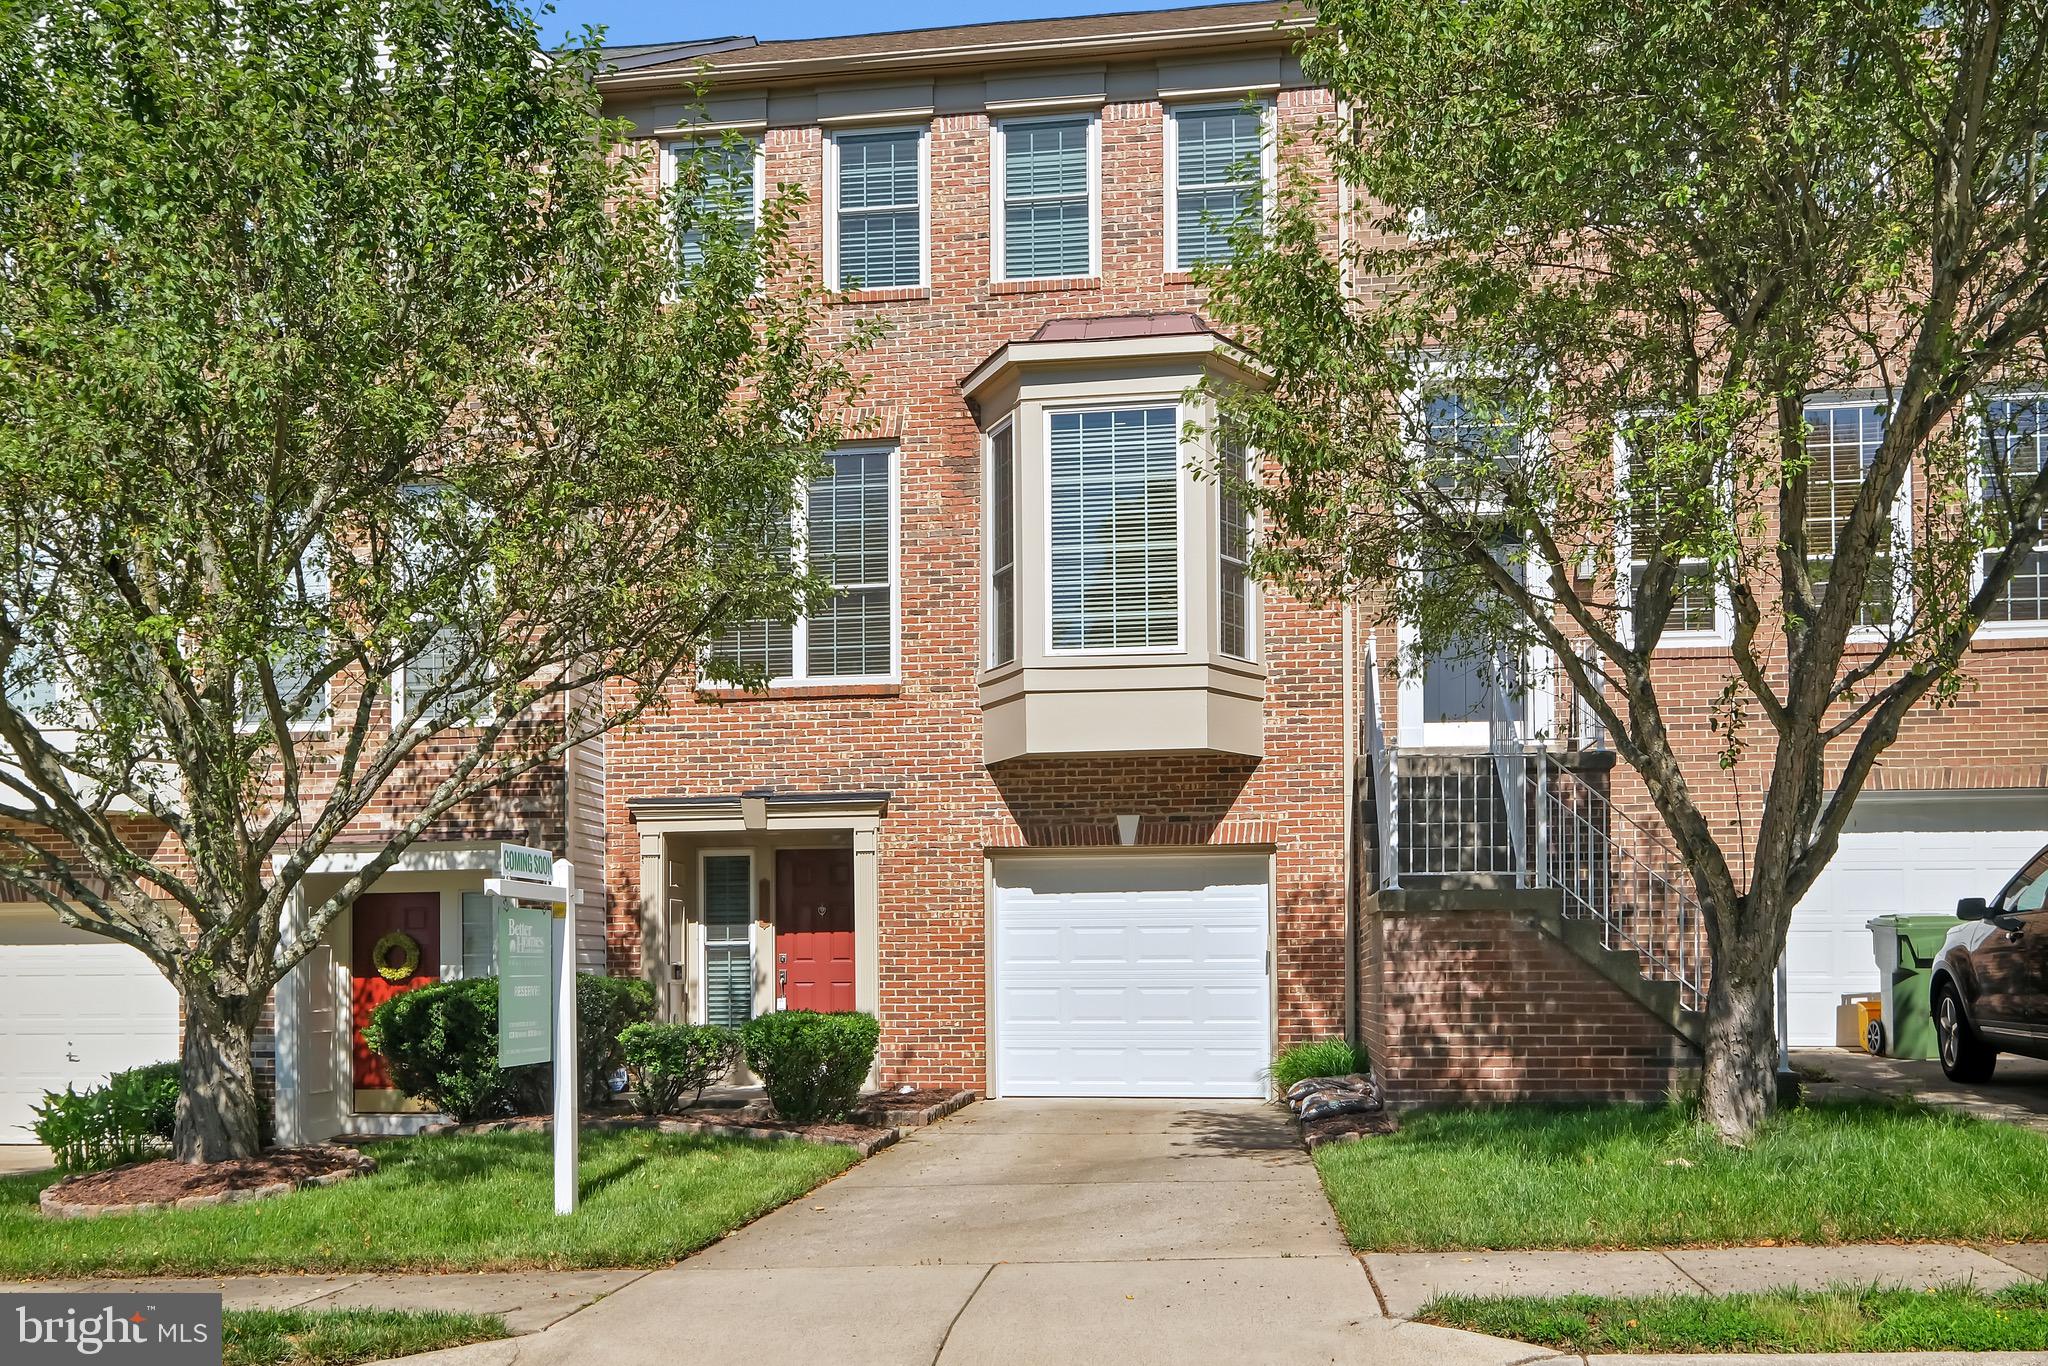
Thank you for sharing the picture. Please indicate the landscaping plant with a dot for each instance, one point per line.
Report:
(442, 1044)
(668, 1060)
(127, 1119)
(340, 345)
(1322, 1058)
(812, 1063)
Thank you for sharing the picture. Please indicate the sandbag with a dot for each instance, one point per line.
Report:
(1323, 1104)
(1356, 1083)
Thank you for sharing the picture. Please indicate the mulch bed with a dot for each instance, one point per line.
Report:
(1345, 1129)
(167, 1184)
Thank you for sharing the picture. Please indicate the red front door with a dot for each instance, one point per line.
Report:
(378, 914)
(814, 928)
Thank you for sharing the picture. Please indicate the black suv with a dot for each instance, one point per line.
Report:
(1990, 991)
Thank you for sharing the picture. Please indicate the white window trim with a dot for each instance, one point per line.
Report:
(700, 1012)
(800, 544)
(1902, 525)
(673, 148)
(997, 200)
(1998, 630)
(1721, 636)
(1180, 523)
(1269, 165)
(403, 716)
(988, 566)
(317, 720)
(924, 200)
(1254, 600)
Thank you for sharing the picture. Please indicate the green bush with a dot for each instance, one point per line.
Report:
(1323, 1058)
(442, 1044)
(669, 1060)
(812, 1064)
(604, 1007)
(128, 1119)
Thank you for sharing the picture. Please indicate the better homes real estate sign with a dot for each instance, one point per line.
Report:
(526, 863)
(525, 969)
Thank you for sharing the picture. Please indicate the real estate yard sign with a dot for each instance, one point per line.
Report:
(525, 967)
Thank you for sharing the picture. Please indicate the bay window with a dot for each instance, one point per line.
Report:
(1114, 495)
(1002, 545)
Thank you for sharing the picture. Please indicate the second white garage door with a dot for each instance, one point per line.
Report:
(1132, 976)
(73, 1007)
(1916, 854)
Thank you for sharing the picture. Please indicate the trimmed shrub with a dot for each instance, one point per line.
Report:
(811, 1063)
(669, 1061)
(1323, 1058)
(442, 1044)
(604, 1007)
(128, 1119)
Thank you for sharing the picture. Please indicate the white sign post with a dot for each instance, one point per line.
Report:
(521, 866)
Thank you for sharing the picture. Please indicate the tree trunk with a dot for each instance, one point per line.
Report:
(217, 1108)
(1741, 1084)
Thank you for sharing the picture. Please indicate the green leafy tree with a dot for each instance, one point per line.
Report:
(1577, 227)
(365, 444)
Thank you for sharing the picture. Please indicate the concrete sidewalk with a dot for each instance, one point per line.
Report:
(1405, 1281)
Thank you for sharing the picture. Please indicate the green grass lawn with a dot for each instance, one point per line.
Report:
(1626, 1176)
(1953, 1318)
(340, 1337)
(476, 1202)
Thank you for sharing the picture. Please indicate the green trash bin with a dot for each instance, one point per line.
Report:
(1906, 947)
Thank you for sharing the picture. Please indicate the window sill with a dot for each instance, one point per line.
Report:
(908, 294)
(798, 692)
(1068, 284)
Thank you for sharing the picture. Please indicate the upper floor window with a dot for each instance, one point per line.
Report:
(724, 178)
(845, 530)
(2014, 452)
(1657, 520)
(1216, 168)
(1045, 177)
(1002, 545)
(1233, 557)
(1842, 440)
(877, 183)
(1114, 486)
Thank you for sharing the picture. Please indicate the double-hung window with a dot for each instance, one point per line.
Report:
(1045, 210)
(1233, 555)
(844, 530)
(877, 183)
(1216, 179)
(723, 177)
(1002, 545)
(1842, 440)
(1656, 517)
(2015, 449)
(295, 668)
(1114, 500)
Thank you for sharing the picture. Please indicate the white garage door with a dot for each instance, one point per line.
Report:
(1121, 976)
(1915, 855)
(73, 1007)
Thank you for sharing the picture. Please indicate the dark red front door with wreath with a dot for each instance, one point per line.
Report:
(814, 928)
(408, 927)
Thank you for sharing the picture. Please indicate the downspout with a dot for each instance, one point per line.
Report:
(1349, 624)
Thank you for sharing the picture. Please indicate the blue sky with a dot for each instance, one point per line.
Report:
(642, 21)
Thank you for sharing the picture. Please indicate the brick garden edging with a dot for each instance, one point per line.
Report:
(53, 1206)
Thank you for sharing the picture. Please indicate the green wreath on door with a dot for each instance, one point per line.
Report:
(408, 956)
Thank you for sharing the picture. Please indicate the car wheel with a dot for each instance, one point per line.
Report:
(1964, 1054)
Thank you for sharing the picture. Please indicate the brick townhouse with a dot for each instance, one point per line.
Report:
(1050, 786)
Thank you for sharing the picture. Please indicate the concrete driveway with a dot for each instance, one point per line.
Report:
(1023, 1232)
